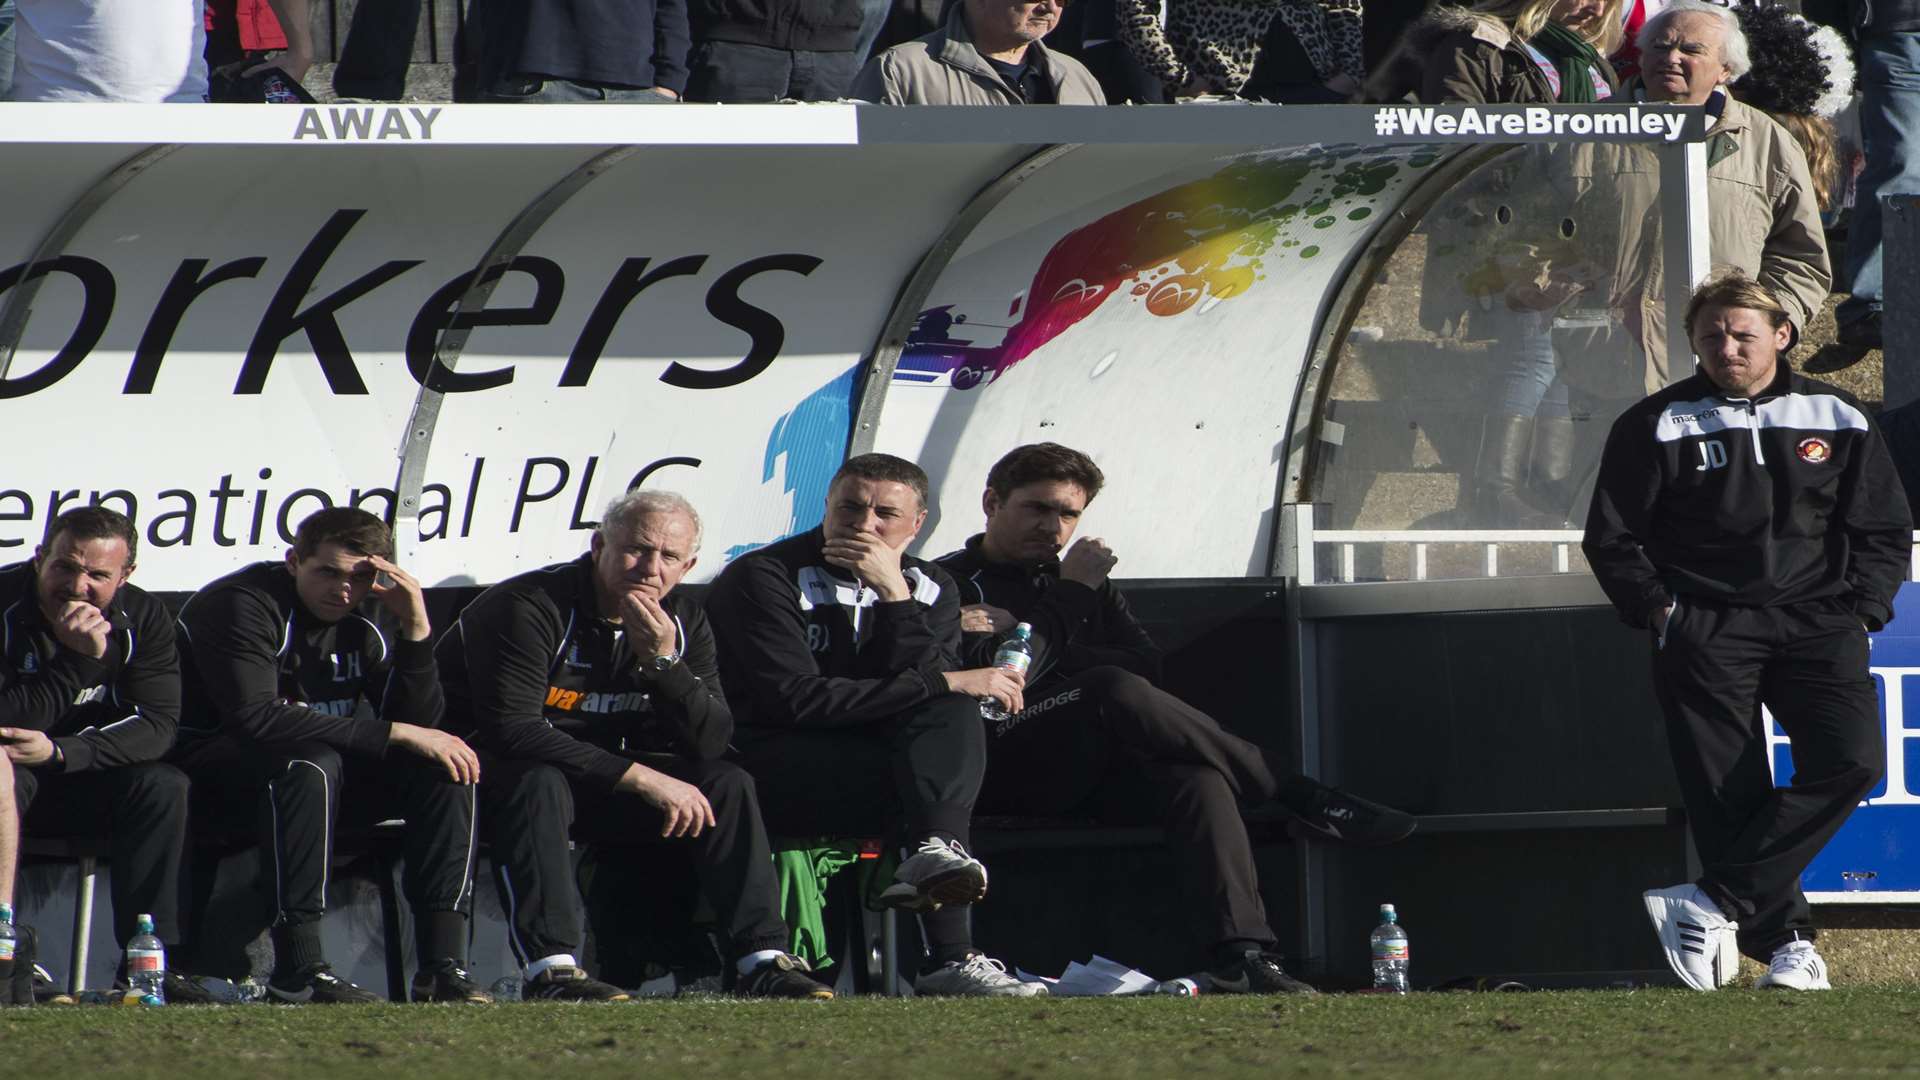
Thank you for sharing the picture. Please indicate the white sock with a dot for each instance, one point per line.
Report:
(752, 960)
(533, 970)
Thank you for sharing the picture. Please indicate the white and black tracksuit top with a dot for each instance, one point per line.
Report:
(1787, 496)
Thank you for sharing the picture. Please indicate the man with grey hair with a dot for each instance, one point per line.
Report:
(1763, 217)
(594, 699)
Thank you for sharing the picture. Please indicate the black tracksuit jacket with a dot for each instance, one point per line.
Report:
(807, 646)
(121, 709)
(258, 666)
(1785, 497)
(538, 675)
(1074, 627)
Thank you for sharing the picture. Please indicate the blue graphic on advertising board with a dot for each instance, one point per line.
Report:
(1872, 853)
(813, 440)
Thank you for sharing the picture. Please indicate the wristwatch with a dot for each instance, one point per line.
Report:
(660, 665)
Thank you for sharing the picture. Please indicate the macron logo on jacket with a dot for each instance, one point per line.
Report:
(1797, 412)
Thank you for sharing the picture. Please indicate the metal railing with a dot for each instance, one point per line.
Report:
(1307, 542)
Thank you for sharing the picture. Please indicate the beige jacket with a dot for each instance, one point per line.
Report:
(944, 68)
(1762, 218)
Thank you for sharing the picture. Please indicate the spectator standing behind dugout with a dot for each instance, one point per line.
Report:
(1888, 34)
(596, 699)
(1763, 217)
(854, 717)
(295, 695)
(581, 51)
(773, 50)
(988, 53)
(89, 701)
(1750, 519)
(1099, 735)
(127, 50)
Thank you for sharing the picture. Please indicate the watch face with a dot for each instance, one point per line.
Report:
(663, 663)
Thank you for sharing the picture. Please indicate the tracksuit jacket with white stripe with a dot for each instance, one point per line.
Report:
(259, 667)
(1785, 497)
(118, 710)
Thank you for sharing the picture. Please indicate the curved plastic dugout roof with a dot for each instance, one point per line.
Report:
(265, 309)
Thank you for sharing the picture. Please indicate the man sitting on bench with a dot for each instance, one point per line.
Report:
(1098, 734)
(295, 694)
(596, 699)
(842, 662)
(89, 700)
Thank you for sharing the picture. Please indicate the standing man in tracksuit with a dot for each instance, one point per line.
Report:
(856, 718)
(89, 702)
(595, 696)
(1099, 734)
(1751, 520)
(295, 696)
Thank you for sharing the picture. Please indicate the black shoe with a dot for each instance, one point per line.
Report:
(449, 983)
(783, 976)
(1860, 333)
(565, 983)
(1255, 972)
(318, 985)
(1351, 819)
(183, 989)
(17, 987)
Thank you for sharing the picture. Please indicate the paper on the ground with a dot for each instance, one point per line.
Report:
(1098, 977)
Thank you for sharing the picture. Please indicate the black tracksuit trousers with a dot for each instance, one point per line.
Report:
(532, 808)
(1807, 663)
(297, 795)
(141, 810)
(1107, 742)
(904, 779)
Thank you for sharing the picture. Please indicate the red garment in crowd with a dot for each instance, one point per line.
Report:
(259, 31)
(1626, 62)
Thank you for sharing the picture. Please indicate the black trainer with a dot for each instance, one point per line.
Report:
(1861, 333)
(318, 985)
(184, 989)
(1255, 972)
(449, 983)
(563, 982)
(17, 987)
(1351, 819)
(783, 976)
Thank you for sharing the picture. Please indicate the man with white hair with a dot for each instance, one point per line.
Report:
(595, 701)
(987, 53)
(1763, 216)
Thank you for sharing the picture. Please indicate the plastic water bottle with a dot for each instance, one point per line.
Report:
(1015, 654)
(147, 965)
(9, 939)
(1391, 958)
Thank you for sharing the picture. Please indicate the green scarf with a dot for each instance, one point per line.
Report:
(1573, 57)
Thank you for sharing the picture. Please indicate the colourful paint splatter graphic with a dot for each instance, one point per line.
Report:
(1188, 247)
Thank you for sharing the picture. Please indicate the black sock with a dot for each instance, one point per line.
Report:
(1230, 951)
(948, 934)
(296, 948)
(442, 938)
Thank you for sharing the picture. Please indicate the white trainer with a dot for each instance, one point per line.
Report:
(1699, 941)
(979, 976)
(940, 873)
(1795, 966)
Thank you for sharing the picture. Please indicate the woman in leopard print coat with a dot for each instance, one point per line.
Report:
(1212, 46)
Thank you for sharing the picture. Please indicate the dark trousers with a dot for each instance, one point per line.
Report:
(532, 808)
(141, 810)
(1109, 743)
(297, 796)
(904, 779)
(729, 71)
(1808, 664)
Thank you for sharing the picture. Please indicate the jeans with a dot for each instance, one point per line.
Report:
(1526, 374)
(6, 48)
(1890, 124)
(532, 90)
(728, 71)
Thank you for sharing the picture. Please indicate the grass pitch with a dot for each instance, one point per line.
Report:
(1639, 1033)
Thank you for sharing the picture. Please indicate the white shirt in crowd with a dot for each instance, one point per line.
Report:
(109, 50)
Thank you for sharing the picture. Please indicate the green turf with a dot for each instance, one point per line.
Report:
(1649, 1032)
